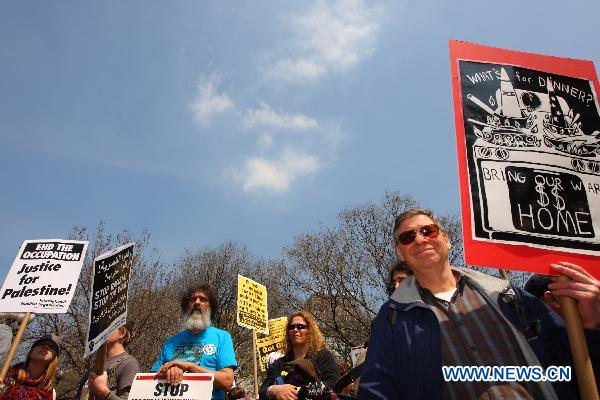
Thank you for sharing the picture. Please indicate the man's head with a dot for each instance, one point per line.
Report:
(120, 335)
(198, 305)
(398, 273)
(537, 285)
(420, 240)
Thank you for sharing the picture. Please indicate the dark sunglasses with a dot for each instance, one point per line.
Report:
(292, 327)
(428, 231)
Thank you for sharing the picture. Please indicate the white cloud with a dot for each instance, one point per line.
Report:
(298, 69)
(277, 174)
(264, 115)
(332, 36)
(209, 102)
(265, 141)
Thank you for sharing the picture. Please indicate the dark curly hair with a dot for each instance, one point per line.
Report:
(204, 288)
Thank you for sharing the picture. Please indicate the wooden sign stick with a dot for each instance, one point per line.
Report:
(581, 357)
(13, 346)
(99, 365)
(254, 363)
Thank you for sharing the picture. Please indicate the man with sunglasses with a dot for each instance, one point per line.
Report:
(443, 315)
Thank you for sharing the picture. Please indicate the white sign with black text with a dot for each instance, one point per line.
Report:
(43, 276)
(147, 386)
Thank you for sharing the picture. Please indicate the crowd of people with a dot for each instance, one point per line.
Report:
(437, 315)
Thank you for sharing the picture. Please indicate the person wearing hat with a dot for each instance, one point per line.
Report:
(120, 369)
(34, 378)
(537, 285)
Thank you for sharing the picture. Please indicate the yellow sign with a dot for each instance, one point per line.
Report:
(252, 305)
(273, 342)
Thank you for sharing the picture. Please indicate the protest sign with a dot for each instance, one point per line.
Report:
(355, 352)
(272, 342)
(43, 276)
(252, 305)
(6, 336)
(108, 298)
(193, 387)
(528, 139)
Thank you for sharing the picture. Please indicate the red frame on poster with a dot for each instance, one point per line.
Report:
(503, 255)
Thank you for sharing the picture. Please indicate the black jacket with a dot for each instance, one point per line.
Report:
(323, 360)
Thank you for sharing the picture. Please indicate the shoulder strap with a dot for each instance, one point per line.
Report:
(393, 314)
(348, 378)
(112, 378)
(531, 326)
(82, 383)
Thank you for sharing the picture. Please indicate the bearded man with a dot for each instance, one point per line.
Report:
(200, 347)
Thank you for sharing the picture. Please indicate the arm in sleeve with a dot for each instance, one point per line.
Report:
(226, 363)
(125, 376)
(593, 340)
(226, 354)
(273, 372)
(377, 377)
(114, 396)
(328, 368)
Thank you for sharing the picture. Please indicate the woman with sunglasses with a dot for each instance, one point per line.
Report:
(303, 341)
(34, 378)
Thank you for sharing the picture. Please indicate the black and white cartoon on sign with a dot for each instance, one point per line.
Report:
(533, 156)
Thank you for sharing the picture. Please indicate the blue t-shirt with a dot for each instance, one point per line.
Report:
(212, 348)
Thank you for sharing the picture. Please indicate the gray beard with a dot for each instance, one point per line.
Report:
(197, 320)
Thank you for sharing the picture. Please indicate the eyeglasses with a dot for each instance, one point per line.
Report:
(292, 327)
(428, 231)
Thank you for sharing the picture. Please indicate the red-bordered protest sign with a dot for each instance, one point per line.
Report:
(528, 139)
(193, 386)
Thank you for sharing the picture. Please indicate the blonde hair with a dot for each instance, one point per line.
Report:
(47, 383)
(316, 342)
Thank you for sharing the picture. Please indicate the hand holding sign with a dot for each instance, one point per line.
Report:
(582, 287)
(173, 371)
(98, 384)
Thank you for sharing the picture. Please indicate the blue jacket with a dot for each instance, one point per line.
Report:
(404, 356)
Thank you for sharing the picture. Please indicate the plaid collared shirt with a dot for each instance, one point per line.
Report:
(474, 334)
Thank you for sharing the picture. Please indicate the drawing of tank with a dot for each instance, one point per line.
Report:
(507, 125)
(562, 129)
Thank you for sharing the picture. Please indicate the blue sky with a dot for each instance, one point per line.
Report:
(246, 121)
